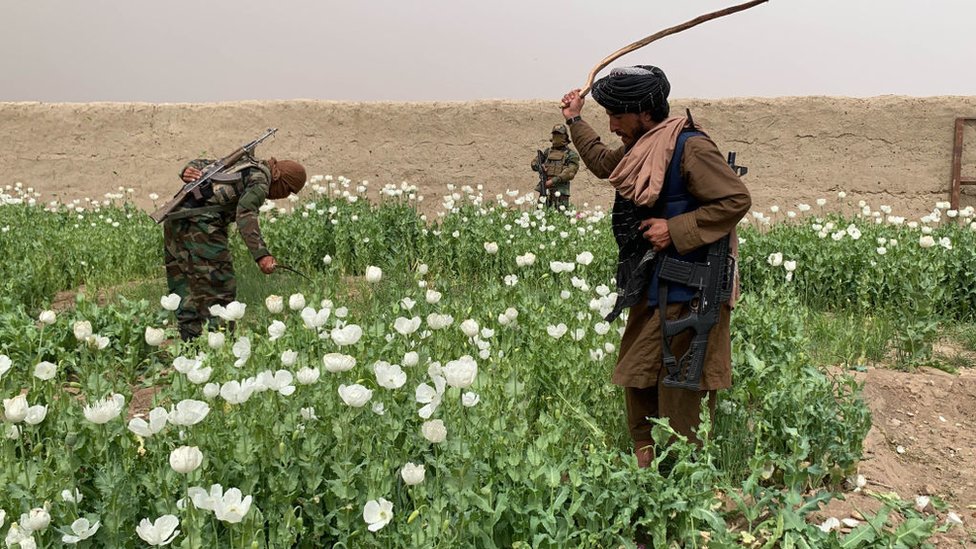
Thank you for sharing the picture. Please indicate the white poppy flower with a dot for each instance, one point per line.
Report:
(557, 331)
(347, 335)
(242, 350)
(215, 340)
(161, 532)
(274, 303)
(45, 371)
(231, 508)
(158, 417)
(5, 364)
(232, 312)
(81, 530)
(281, 382)
(433, 297)
(315, 319)
(584, 258)
(412, 473)
(390, 376)
(411, 358)
(926, 241)
(562, 266)
(211, 390)
(470, 327)
(35, 520)
(289, 357)
(185, 459)
(470, 399)
(525, 260)
(775, 259)
(422, 269)
(47, 317)
(69, 497)
(337, 362)
(170, 302)
(821, 201)
(373, 274)
(203, 499)
(407, 303)
(355, 395)
(82, 330)
(438, 321)
(296, 302)
(35, 414)
(103, 411)
(15, 409)
(236, 392)
(308, 413)
(406, 326)
(185, 365)
(461, 372)
(155, 336)
(20, 536)
(189, 412)
(790, 266)
(491, 248)
(434, 430)
(276, 330)
(377, 513)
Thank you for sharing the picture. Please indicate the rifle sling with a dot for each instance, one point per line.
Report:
(195, 212)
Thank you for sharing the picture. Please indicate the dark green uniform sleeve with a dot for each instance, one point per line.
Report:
(199, 164)
(248, 208)
(599, 158)
(570, 168)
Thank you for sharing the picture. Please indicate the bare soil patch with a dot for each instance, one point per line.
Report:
(929, 415)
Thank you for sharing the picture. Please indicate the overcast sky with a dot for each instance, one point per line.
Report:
(422, 50)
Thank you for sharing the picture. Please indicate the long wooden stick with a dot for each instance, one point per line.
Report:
(658, 35)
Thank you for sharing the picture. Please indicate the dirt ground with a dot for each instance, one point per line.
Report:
(887, 150)
(922, 442)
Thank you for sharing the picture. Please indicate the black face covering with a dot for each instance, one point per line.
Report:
(634, 90)
(559, 140)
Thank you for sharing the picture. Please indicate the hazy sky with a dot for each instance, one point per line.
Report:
(420, 50)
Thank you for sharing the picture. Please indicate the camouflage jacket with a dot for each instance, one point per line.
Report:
(561, 166)
(242, 200)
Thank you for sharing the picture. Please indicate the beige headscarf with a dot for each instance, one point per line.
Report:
(639, 176)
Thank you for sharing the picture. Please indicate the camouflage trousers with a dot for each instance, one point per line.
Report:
(198, 269)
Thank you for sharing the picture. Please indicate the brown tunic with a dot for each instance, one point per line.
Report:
(723, 200)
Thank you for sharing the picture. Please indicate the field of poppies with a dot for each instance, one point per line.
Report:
(443, 381)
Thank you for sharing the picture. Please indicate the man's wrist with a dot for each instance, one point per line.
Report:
(573, 119)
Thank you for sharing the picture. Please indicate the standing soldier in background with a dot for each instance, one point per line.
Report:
(199, 265)
(675, 195)
(560, 164)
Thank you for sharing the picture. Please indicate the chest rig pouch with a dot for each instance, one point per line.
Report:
(554, 161)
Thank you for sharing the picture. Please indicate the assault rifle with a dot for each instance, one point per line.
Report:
(714, 281)
(540, 160)
(201, 187)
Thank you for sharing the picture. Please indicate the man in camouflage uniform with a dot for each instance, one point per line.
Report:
(561, 164)
(199, 266)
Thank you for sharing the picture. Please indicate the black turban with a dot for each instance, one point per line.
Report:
(634, 90)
